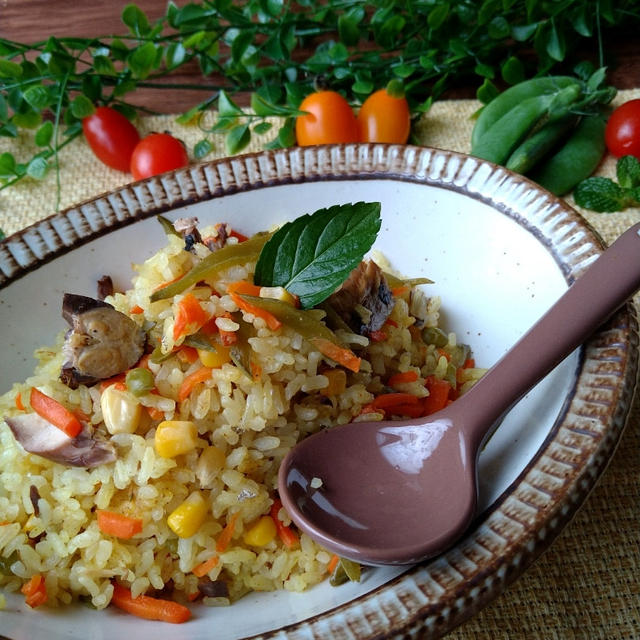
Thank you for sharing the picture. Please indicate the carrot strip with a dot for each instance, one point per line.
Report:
(398, 291)
(190, 381)
(342, 356)
(411, 410)
(256, 370)
(387, 400)
(237, 289)
(438, 395)
(56, 413)
(377, 336)
(18, 402)
(204, 567)
(236, 234)
(227, 533)
(189, 317)
(333, 563)
(227, 338)
(35, 591)
(166, 284)
(117, 525)
(155, 413)
(187, 354)
(391, 322)
(117, 380)
(285, 533)
(402, 378)
(136, 309)
(149, 608)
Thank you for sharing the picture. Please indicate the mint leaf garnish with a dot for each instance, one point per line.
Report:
(313, 255)
(628, 172)
(604, 195)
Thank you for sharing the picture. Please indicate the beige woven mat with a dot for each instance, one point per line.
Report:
(587, 585)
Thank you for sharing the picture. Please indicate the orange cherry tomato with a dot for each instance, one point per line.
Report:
(384, 118)
(157, 153)
(330, 120)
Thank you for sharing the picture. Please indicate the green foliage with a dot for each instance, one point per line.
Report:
(253, 46)
(605, 195)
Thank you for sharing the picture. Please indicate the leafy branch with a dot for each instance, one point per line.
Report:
(257, 47)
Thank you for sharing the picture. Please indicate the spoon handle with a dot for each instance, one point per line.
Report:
(606, 284)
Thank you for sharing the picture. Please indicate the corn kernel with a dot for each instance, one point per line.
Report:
(278, 293)
(121, 411)
(175, 437)
(215, 359)
(187, 518)
(261, 533)
(337, 382)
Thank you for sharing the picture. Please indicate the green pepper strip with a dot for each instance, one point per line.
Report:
(229, 256)
(300, 320)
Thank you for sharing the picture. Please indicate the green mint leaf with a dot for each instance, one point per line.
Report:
(7, 165)
(202, 148)
(37, 167)
(628, 172)
(600, 194)
(313, 255)
(134, 18)
(238, 138)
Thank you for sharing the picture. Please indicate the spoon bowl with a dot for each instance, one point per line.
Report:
(403, 491)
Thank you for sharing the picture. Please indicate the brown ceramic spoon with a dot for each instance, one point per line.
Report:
(403, 491)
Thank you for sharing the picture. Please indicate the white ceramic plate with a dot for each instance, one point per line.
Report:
(500, 251)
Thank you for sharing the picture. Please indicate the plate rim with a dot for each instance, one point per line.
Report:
(554, 223)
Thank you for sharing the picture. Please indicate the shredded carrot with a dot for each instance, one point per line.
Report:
(377, 336)
(209, 327)
(35, 591)
(187, 354)
(438, 395)
(333, 563)
(56, 413)
(4, 523)
(402, 378)
(166, 284)
(390, 400)
(18, 401)
(285, 533)
(144, 361)
(136, 309)
(204, 567)
(401, 290)
(191, 597)
(117, 380)
(442, 352)
(189, 317)
(410, 410)
(227, 338)
(391, 322)
(117, 525)
(237, 289)
(155, 413)
(149, 608)
(342, 356)
(369, 408)
(256, 370)
(236, 234)
(190, 381)
(469, 363)
(227, 533)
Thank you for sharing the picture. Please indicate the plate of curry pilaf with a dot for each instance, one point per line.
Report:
(189, 329)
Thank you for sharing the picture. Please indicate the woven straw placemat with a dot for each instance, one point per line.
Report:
(587, 585)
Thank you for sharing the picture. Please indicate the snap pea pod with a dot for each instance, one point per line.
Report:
(576, 160)
(512, 97)
(537, 145)
(500, 140)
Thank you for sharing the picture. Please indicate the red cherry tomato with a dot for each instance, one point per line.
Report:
(111, 137)
(384, 118)
(330, 120)
(157, 153)
(622, 133)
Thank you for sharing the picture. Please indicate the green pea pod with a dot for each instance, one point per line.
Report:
(576, 160)
(500, 140)
(537, 145)
(512, 97)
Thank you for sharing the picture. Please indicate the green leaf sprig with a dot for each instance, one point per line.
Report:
(605, 195)
(314, 254)
(254, 47)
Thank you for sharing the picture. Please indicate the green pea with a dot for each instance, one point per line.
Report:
(140, 381)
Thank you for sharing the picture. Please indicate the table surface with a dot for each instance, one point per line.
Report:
(587, 584)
